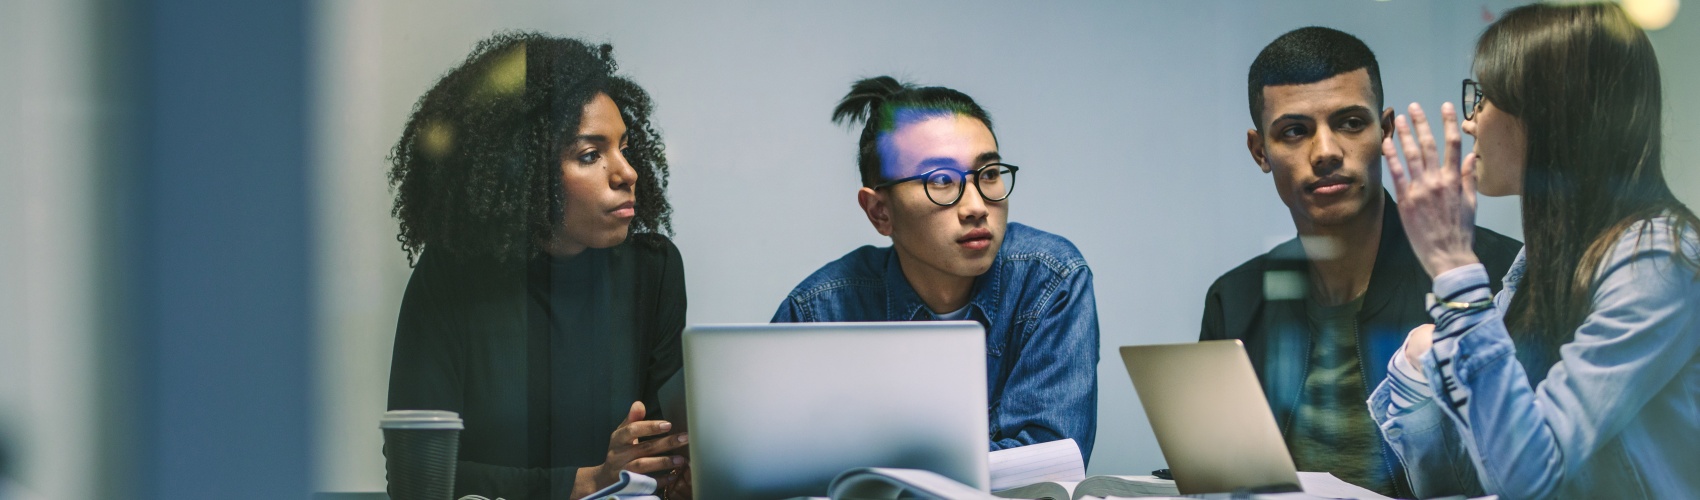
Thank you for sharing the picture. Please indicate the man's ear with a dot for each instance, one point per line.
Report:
(1254, 145)
(1387, 123)
(878, 211)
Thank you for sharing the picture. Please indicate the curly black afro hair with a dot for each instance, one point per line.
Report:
(477, 170)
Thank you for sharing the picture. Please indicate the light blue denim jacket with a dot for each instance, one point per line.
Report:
(1617, 416)
(1041, 324)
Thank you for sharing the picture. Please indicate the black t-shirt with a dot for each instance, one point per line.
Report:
(541, 359)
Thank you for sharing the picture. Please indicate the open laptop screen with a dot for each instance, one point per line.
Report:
(778, 410)
(1210, 417)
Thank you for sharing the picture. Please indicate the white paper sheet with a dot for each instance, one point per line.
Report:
(1323, 484)
(1056, 461)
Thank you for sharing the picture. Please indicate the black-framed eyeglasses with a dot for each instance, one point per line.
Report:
(1472, 98)
(945, 185)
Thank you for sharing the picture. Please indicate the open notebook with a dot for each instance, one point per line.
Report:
(1056, 471)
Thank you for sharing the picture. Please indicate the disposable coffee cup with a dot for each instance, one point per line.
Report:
(420, 447)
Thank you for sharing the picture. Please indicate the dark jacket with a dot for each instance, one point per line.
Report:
(1262, 304)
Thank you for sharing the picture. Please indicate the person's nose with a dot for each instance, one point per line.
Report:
(972, 206)
(621, 175)
(1470, 126)
(1325, 152)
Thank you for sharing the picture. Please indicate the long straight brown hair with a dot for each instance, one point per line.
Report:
(1584, 81)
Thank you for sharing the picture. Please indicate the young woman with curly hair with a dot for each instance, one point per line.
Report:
(545, 305)
(1581, 379)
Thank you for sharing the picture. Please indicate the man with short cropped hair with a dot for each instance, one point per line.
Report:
(1321, 314)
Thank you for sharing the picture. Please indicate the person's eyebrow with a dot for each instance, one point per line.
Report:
(597, 138)
(1291, 117)
(1353, 109)
(936, 162)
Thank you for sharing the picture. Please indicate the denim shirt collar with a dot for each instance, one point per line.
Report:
(903, 304)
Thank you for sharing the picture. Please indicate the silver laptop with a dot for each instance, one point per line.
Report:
(1211, 419)
(778, 410)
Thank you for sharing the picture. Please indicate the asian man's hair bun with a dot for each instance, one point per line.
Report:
(866, 96)
(882, 103)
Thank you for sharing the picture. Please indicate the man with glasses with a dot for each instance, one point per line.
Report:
(933, 181)
(1321, 314)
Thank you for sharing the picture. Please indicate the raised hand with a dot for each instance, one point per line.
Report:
(1437, 195)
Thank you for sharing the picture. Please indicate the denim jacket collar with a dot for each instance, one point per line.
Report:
(903, 304)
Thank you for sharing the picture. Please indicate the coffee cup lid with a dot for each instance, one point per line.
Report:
(421, 419)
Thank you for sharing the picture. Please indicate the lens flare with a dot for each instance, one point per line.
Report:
(1651, 14)
(507, 75)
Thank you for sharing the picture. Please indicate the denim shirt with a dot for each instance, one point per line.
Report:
(1041, 323)
(1617, 416)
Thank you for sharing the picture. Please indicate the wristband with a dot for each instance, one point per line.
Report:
(1432, 301)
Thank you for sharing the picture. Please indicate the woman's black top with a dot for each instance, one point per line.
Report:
(541, 359)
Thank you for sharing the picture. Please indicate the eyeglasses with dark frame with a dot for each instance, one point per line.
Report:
(945, 185)
(1472, 98)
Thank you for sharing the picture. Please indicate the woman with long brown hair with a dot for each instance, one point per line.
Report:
(1582, 378)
